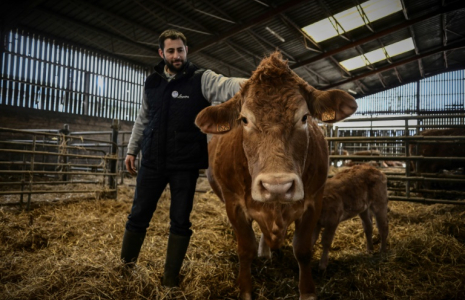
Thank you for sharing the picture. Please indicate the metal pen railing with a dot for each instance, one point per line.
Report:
(29, 157)
(397, 148)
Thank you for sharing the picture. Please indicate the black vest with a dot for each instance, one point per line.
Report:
(171, 139)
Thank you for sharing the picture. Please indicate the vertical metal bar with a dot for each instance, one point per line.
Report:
(3, 41)
(14, 90)
(119, 106)
(32, 171)
(22, 70)
(106, 82)
(123, 92)
(30, 72)
(407, 161)
(114, 152)
(23, 179)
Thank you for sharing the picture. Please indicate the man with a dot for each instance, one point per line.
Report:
(173, 148)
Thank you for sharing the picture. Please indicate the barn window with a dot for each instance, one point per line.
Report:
(352, 18)
(41, 73)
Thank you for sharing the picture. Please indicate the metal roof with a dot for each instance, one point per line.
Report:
(231, 37)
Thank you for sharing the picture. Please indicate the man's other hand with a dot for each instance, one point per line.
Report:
(130, 164)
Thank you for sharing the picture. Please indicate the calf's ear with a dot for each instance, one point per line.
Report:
(329, 106)
(221, 118)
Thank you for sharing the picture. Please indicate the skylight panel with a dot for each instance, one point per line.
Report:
(400, 47)
(375, 55)
(354, 63)
(378, 55)
(377, 9)
(351, 18)
(321, 30)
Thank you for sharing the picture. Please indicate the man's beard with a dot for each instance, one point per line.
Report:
(174, 69)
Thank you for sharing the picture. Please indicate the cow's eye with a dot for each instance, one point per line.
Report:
(244, 120)
(304, 119)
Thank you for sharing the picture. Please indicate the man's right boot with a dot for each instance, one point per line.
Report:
(132, 242)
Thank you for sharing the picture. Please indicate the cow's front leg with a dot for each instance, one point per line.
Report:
(246, 249)
(302, 244)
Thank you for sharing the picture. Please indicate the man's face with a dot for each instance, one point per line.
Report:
(174, 55)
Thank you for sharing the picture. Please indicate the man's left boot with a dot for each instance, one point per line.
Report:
(177, 248)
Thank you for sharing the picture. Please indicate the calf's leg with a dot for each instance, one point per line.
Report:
(326, 241)
(382, 224)
(368, 228)
(316, 233)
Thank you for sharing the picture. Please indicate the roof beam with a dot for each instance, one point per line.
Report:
(444, 38)
(221, 62)
(398, 75)
(96, 30)
(95, 8)
(381, 79)
(248, 24)
(405, 24)
(306, 37)
(399, 63)
(163, 21)
(264, 41)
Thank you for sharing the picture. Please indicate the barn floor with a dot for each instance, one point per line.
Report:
(70, 250)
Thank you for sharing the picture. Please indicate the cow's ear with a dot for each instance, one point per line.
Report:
(221, 118)
(329, 106)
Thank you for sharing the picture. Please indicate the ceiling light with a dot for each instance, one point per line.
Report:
(352, 91)
(275, 34)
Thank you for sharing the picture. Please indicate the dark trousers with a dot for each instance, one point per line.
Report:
(150, 185)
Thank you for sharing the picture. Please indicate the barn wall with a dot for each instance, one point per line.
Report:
(24, 118)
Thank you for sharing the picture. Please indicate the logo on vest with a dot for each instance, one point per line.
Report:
(175, 94)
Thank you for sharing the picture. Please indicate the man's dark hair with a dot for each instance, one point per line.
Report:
(170, 34)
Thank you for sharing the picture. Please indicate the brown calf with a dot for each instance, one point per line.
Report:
(358, 190)
(269, 161)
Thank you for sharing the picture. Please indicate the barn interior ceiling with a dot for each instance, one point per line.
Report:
(360, 46)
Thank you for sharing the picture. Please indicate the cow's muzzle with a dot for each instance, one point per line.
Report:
(281, 187)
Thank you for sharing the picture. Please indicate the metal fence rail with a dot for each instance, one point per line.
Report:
(394, 145)
(31, 159)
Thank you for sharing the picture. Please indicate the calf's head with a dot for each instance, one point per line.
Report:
(274, 109)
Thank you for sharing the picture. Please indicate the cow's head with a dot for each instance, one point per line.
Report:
(273, 109)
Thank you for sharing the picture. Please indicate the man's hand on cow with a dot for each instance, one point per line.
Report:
(130, 164)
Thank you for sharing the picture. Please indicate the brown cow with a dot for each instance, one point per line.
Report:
(358, 190)
(438, 149)
(269, 161)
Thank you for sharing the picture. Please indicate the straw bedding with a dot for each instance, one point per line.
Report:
(70, 250)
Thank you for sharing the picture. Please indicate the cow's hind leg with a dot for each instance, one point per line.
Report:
(368, 228)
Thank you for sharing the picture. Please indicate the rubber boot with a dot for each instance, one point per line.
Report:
(177, 247)
(132, 242)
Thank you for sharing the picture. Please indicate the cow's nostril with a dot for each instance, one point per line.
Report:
(278, 188)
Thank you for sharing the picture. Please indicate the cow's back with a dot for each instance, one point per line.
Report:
(354, 190)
